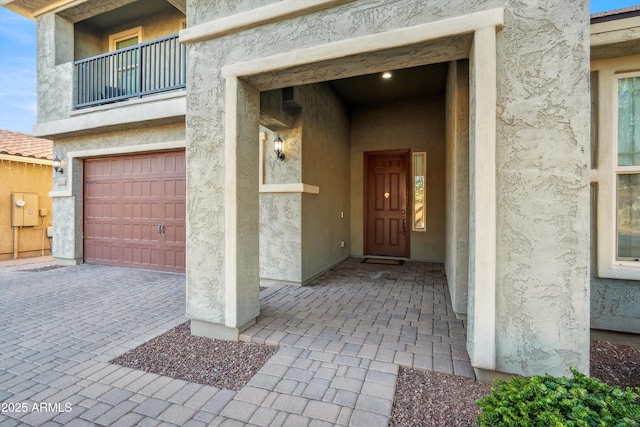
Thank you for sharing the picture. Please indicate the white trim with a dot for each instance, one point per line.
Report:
(280, 188)
(482, 244)
(57, 7)
(605, 176)
(391, 39)
(105, 152)
(22, 159)
(231, 204)
(124, 35)
(484, 66)
(279, 11)
(289, 188)
(118, 117)
(615, 31)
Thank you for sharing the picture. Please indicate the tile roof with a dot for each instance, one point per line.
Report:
(614, 14)
(25, 145)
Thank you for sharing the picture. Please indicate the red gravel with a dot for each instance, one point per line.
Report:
(435, 399)
(178, 354)
(615, 364)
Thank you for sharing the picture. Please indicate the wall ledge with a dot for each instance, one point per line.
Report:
(279, 11)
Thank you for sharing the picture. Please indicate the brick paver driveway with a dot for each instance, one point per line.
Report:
(59, 328)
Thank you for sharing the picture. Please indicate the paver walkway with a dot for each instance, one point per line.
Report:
(341, 341)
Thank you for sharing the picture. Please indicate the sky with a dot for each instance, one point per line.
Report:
(18, 65)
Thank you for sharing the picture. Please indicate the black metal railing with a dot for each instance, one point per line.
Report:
(152, 67)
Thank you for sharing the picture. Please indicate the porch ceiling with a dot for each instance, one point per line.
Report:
(416, 82)
(359, 65)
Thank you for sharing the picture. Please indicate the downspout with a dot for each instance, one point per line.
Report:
(15, 242)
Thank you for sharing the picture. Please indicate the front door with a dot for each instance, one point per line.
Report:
(386, 222)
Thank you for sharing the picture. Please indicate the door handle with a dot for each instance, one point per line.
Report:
(160, 228)
(403, 220)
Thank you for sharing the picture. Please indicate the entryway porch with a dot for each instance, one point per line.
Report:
(398, 314)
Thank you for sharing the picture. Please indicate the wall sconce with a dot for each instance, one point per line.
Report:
(58, 165)
(278, 146)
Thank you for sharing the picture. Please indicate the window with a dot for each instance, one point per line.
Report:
(125, 39)
(419, 191)
(616, 166)
(127, 80)
(628, 169)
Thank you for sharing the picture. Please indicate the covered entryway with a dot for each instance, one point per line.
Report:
(134, 211)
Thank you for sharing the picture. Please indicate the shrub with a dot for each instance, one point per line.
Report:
(559, 402)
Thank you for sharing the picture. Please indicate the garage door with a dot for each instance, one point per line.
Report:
(134, 211)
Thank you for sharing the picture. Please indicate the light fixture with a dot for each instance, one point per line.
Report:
(278, 146)
(386, 75)
(58, 165)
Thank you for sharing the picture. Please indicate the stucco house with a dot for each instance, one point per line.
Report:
(25, 182)
(483, 148)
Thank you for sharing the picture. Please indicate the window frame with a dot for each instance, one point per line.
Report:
(604, 174)
(621, 170)
(124, 35)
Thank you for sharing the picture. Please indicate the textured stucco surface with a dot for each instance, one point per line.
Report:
(418, 125)
(300, 234)
(326, 136)
(58, 45)
(55, 77)
(542, 270)
(542, 179)
(543, 188)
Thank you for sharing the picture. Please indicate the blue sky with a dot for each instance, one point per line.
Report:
(18, 65)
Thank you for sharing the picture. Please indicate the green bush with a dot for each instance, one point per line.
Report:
(559, 402)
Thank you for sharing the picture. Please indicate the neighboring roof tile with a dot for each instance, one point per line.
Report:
(25, 145)
(611, 15)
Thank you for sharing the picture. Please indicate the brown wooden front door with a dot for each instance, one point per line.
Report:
(386, 222)
(134, 211)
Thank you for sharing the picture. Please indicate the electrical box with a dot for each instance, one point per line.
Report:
(44, 212)
(24, 209)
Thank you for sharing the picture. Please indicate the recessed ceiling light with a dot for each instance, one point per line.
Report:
(386, 75)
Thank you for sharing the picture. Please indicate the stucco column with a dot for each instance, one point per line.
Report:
(241, 223)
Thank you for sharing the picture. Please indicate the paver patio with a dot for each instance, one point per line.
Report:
(342, 340)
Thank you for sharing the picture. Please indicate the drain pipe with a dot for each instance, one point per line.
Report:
(15, 242)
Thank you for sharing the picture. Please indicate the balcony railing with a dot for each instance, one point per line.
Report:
(152, 67)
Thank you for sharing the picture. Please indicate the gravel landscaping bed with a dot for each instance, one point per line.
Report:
(178, 354)
(422, 398)
(436, 399)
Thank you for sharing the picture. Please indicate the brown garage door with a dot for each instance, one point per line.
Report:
(134, 211)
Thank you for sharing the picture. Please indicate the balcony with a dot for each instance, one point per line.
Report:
(133, 72)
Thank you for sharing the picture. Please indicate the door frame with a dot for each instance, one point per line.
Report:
(406, 152)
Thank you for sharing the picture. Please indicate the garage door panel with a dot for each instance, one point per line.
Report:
(126, 199)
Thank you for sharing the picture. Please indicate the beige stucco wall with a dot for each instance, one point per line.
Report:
(22, 177)
(325, 163)
(541, 180)
(417, 125)
(58, 45)
(300, 234)
(540, 304)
